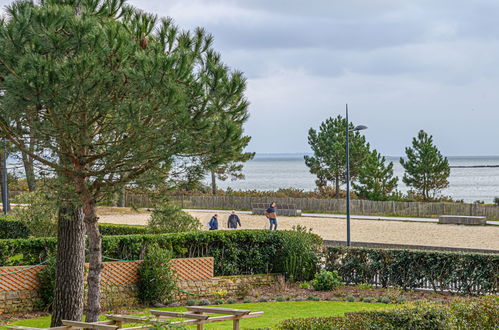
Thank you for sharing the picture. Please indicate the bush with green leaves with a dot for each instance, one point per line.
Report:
(235, 252)
(169, 218)
(38, 214)
(325, 280)
(11, 228)
(459, 314)
(46, 278)
(302, 255)
(156, 277)
(466, 273)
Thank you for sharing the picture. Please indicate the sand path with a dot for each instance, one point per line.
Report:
(398, 232)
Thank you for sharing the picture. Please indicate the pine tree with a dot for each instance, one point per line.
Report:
(329, 160)
(112, 95)
(375, 180)
(426, 170)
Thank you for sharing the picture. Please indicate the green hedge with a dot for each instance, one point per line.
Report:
(11, 228)
(235, 252)
(469, 273)
(462, 314)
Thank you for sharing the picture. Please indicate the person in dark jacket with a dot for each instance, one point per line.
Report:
(272, 215)
(233, 221)
(213, 222)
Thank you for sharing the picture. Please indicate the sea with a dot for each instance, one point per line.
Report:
(471, 178)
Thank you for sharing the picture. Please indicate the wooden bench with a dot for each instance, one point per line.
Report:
(282, 209)
(196, 315)
(462, 220)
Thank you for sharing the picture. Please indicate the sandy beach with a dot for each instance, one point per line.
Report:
(480, 237)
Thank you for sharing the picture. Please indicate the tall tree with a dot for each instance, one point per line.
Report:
(224, 163)
(426, 170)
(112, 93)
(375, 180)
(329, 160)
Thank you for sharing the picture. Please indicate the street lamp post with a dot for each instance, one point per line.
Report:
(347, 132)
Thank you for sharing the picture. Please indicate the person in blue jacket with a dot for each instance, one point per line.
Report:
(213, 222)
(271, 214)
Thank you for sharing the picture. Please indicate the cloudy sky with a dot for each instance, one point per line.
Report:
(401, 66)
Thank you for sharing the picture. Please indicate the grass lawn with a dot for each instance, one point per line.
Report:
(274, 312)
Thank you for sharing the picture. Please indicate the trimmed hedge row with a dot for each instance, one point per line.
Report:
(10, 228)
(463, 314)
(235, 252)
(468, 273)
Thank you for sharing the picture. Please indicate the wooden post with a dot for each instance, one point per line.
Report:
(199, 326)
(235, 324)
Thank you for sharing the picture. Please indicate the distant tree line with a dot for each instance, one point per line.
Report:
(426, 170)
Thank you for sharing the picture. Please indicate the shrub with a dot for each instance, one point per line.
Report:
(156, 277)
(204, 302)
(247, 300)
(280, 299)
(231, 301)
(384, 300)
(235, 252)
(350, 298)
(313, 298)
(169, 218)
(496, 201)
(39, 215)
(11, 228)
(301, 258)
(419, 316)
(365, 286)
(219, 301)
(325, 281)
(304, 285)
(46, 278)
(460, 314)
(367, 299)
(401, 300)
(191, 302)
(475, 273)
(220, 293)
(263, 299)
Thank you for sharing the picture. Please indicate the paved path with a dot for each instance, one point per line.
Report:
(343, 216)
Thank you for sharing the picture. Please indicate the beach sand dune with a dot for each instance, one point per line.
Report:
(397, 232)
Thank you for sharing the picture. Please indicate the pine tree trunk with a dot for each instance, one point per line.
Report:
(337, 183)
(68, 293)
(95, 259)
(121, 198)
(29, 171)
(213, 183)
(2, 175)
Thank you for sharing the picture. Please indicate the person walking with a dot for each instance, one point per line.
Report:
(272, 215)
(213, 224)
(233, 221)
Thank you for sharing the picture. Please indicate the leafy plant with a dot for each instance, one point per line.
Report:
(304, 285)
(263, 299)
(46, 278)
(38, 213)
(350, 298)
(218, 301)
(280, 299)
(325, 280)
(313, 298)
(156, 277)
(401, 299)
(169, 218)
(231, 301)
(191, 302)
(204, 302)
(247, 300)
(367, 299)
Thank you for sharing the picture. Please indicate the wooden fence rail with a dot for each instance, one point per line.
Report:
(358, 207)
